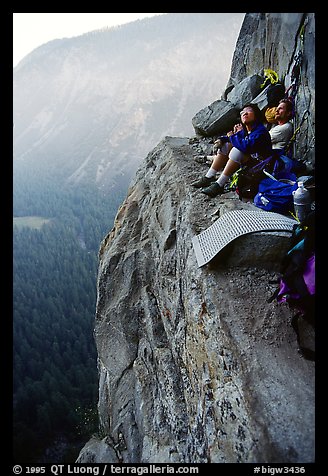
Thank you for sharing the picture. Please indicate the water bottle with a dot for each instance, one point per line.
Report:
(302, 202)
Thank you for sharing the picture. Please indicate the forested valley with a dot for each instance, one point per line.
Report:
(56, 237)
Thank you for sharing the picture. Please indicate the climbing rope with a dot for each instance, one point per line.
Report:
(291, 142)
(296, 86)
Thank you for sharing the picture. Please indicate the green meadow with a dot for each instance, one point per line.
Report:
(30, 222)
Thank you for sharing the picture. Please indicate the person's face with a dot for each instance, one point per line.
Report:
(247, 116)
(281, 112)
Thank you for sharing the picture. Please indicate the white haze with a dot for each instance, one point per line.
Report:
(31, 30)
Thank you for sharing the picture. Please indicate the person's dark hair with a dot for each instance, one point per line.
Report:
(257, 112)
(289, 106)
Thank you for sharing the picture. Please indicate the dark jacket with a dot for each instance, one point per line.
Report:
(256, 143)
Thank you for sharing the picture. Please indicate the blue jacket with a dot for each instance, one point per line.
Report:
(256, 143)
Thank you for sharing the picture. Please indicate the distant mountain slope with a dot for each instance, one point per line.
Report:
(90, 108)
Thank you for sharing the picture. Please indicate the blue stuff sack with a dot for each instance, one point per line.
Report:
(286, 165)
(276, 195)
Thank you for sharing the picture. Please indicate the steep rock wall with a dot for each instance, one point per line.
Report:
(194, 364)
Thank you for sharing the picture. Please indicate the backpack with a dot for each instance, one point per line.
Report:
(275, 93)
(275, 90)
(296, 285)
(288, 164)
(276, 195)
(246, 180)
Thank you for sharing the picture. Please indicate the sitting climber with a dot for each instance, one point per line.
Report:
(281, 137)
(282, 131)
(248, 139)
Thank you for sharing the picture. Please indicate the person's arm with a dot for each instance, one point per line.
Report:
(248, 144)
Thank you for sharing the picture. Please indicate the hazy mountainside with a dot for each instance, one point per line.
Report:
(89, 108)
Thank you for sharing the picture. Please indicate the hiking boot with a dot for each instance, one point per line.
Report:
(213, 190)
(203, 182)
(201, 159)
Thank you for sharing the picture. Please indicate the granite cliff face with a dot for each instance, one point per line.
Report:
(194, 365)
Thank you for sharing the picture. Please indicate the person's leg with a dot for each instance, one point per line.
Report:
(221, 158)
(230, 168)
(223, 149)
(236, 158)
(219, 161)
